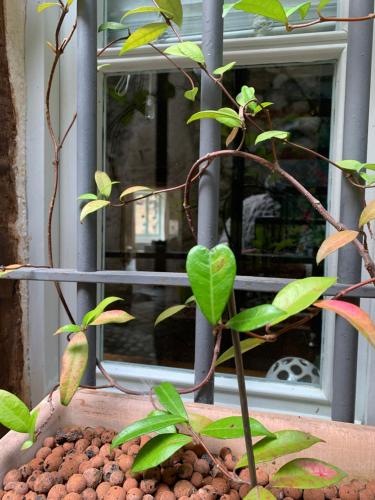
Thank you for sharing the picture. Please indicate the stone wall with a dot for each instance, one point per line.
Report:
(13, 241)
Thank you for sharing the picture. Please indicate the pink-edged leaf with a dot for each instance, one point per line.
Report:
(115, 316)
(73, 366)
(334, 242)
(307, 473)
(259, 493)
(353, 314)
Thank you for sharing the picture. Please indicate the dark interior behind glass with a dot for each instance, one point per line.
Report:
(271, 229)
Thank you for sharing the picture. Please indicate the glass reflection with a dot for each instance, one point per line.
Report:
(273, 231)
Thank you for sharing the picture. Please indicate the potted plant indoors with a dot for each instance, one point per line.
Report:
(211, 272)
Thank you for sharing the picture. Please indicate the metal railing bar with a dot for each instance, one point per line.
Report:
(242, 283)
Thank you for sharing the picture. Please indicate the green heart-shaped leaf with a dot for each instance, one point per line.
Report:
(211, 274)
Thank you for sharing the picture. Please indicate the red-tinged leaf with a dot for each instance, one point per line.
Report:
(13, 267)
(368, 214)
(259, 493)
(10, 269)
(334, 242)
(73, 366)
(307, 473)
(115, 316)
(353, 314)
(91, 316)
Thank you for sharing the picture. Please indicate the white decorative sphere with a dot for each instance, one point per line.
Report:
(294, 370)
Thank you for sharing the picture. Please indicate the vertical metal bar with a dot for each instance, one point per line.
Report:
(212, 45)
(357, 100)
(86, 162)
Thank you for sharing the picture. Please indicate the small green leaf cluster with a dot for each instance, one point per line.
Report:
(46, 5)
(101, 199)
(354, 168)
(168, 440)
(274, 9)
(170, 11)
(15, 415)
(98, 316)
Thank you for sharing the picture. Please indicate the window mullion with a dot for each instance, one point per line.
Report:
(86, 163)
(209, 185)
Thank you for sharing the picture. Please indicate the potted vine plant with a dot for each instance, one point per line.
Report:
(211, 273)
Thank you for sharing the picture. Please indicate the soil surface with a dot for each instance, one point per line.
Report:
(79, 464)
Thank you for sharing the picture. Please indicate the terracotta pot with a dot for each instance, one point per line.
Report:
(350, 447)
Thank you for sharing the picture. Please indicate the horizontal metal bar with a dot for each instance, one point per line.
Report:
(244, 283)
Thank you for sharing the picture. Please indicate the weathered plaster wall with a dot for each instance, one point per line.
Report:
(13, 239)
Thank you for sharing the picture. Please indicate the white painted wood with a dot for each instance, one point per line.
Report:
(43, 303)
(263, 50)
(298, 48)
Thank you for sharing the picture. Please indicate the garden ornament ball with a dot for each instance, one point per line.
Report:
(293, 369)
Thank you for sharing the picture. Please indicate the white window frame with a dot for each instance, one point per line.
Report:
(298, 48)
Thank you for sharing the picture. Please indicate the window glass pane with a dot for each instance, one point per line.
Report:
(237, 23)
(271, 229)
